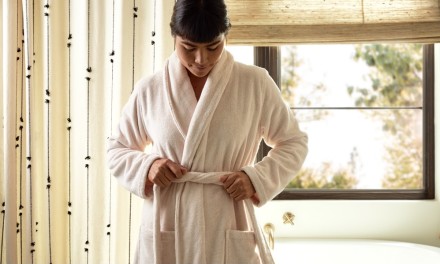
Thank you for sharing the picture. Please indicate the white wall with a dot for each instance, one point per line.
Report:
(407, 220)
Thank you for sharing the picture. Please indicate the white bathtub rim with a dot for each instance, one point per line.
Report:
(349, 251)
(385, 242)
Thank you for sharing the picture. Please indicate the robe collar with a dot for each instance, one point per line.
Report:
(192, 117)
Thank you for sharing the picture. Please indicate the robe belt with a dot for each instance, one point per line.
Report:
(204, 178)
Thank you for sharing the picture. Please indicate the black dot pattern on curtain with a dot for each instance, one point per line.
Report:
(135, 15)
(3, 231)
(33, 30)
(20, 123)
(88, 158)
(112, 55)
(153, 34)
(69, 126)
(27, 216)
(29, 123)
(28, 79)
(48, 132)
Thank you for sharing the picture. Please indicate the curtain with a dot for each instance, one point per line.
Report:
(273, 22)
(68, 67)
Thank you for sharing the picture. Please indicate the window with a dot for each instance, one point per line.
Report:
(368, 110)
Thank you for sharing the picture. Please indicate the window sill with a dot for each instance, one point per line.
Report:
(294, 194)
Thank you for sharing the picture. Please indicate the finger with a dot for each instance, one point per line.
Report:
(242, 194)
(175, 169)
(160, 177)
(183, 170)
(165, 182)
(168, 175)
(247, 185)
(163, 177)
(158, 182)
(223, 178)
(236, 192)
(235, 189)
(229, 180)
(240, 197)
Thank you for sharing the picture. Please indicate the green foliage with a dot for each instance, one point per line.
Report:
(289, 83)
(396, 75)
(396, 81)
(405, 157)
(328, 177)
(324, 177)
(289, 80)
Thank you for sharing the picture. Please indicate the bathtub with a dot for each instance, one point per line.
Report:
(351, 251)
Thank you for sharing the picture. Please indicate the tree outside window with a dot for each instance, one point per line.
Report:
(377, 88)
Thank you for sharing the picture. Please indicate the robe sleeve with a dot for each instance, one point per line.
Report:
(280, 131)
(126, 158)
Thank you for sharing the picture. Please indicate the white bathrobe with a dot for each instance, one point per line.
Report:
(195, 220)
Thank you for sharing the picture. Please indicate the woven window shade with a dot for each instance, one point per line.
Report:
(272, 22)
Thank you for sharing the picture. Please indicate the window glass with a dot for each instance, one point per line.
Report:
(362, 108)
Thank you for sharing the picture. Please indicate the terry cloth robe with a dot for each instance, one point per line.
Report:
(194, 220)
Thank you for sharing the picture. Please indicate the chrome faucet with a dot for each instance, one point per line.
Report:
(269, 228)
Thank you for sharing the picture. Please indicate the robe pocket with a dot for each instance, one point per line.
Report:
(241, 247)
(168, 252)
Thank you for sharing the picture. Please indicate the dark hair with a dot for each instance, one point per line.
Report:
(199, 20)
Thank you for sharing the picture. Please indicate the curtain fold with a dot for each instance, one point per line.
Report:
(9, 208)
(68, 67)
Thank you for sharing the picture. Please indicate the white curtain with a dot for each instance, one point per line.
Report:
(68, 67)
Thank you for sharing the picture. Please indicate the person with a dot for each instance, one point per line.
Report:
(204, 115)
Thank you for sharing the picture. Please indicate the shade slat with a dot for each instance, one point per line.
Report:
(295, 12)
(401, 11)
(258, 22)
(427, 32)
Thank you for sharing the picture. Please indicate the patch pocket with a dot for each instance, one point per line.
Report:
(146, 250)
(168, 248)
(241, 247)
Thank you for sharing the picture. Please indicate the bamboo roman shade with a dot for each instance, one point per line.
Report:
(272, 22)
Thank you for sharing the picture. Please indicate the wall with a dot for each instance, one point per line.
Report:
(409, 221)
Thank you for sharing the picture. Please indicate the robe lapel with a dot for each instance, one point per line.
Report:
(205, 108)
(180, 94)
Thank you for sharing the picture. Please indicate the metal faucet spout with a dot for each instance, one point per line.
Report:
(269, 229)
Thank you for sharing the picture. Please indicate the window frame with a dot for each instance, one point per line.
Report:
(269, 58)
